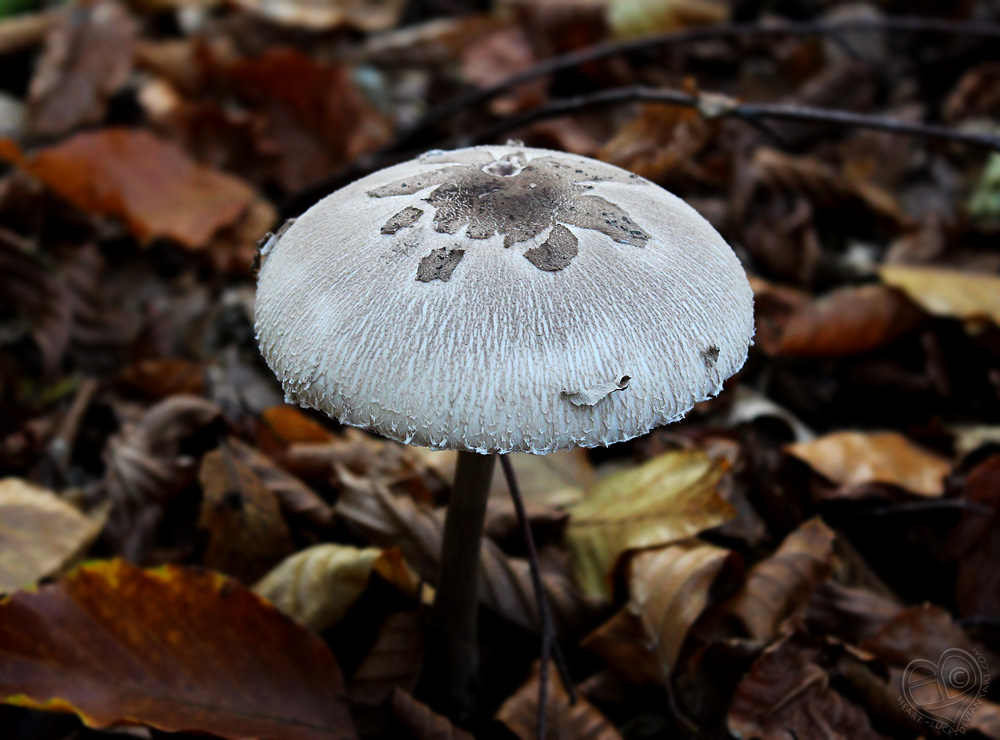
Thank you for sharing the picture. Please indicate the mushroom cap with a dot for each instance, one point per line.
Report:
(502, 299)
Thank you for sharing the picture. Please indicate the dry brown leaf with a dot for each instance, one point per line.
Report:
(317, 586)
(423, 723)
(316, 118)
(929, 635)
(145, 468)
(669, 589)
(247, 534)
(975, 542)
(88, 55)
(32, 291)
(393, 662)
(960, 295)
(24, 31)
(498, 55)
(322, 15)
(660, 143)
(672, 497)
(285, 425)
(856, 458)
(505, 583)
(159, 377)
(622, 642)
(849, 321)
(40, 533)
(297, 500)
(151, 184)
(579, 721)
(786, 694)
(178, 649)
(851, 614)
(780, 585)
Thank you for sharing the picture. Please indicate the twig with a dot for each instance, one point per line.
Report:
(938, 504)
(550, 646)
(735, 30)
(409, 140)
(713, 105)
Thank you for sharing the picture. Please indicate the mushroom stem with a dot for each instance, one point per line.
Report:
(456, 605)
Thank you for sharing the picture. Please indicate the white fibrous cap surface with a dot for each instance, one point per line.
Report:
(503, 299)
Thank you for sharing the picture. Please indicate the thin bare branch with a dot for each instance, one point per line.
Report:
(713, 105)
(689, 36)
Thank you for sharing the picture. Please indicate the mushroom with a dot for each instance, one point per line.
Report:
(500, 299)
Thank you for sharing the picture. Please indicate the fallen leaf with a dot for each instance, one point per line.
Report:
(786, 695)
(177, 649)
(579, 721)
(285, 425)
(88, 55)
(145, 468)
(316, 117)
(632, 18)
(297, 500)
(856, 458)
(960, 295)
(974, 543)
(625, 646)
(393, 662)
(849, 321)
(672, 497)
(317, 586)
(159, 377)
(669, 589)
(40, 533)
(781, 584)
(851, 614)
(423, 723)
(505, 582)
(247, 534)
(33, 291)
(151, 184)
(500, 54)
(316, 15)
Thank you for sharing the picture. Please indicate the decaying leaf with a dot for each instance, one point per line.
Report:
(856, 458)
(394, 661)
(786, 694)
(624, 644)
(177, 649)
(247, 534)
(579, 721)
(960, 295)
(975, 542)
(151, 184)
(88, 55)
(669, 588)
(422, 722)
(316, 15)
(672, 497)
(849, 321)
(40, 533)
(505, 582)
(630, 18)
(317, 586)
(780, 585)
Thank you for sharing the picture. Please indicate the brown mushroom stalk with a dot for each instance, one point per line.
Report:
(454, 680)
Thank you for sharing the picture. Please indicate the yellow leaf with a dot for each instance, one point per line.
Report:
(317, 586)
(960, 295)
(672, 497)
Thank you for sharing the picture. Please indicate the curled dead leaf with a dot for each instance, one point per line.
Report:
(960, 295)
(781, 585)
(318, 585)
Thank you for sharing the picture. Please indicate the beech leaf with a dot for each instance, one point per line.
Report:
(176, 648)
(672, 497)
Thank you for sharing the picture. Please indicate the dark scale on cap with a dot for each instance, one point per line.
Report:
(439, 265)
(519, 200)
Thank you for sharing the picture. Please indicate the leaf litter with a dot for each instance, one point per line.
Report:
(768, 567)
